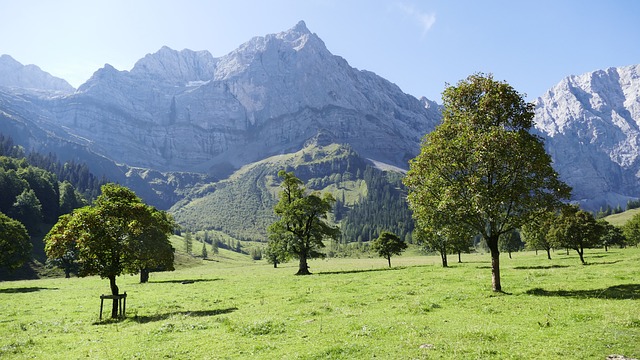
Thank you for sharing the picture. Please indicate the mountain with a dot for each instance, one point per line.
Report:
(591, 125)
(30, 77)
(187, 111)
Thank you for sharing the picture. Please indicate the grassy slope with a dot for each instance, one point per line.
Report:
(351, 308)
(621, 218)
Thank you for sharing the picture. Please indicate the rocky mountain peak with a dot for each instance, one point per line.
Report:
(592, 125)
(177, 67)
(30, 77)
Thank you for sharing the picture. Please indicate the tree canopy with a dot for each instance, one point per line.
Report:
(387, 245)
(302, 226)
(117, 235)
(15, 245)
(575, 229)
(482, 167)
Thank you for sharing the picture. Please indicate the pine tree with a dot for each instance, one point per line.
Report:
(204, 250)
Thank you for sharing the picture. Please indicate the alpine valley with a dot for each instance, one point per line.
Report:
(205, 137)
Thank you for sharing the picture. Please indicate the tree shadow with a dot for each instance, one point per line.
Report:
(23, 290)
(183, 281)
(618, 292)
(603, 262)
(360, 271)
(199, 313)
(541, 267)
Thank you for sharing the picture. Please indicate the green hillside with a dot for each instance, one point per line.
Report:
(621, 218)
(242, 206)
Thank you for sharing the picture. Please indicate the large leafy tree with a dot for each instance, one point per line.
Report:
(575, 229)
(302, 226)
(387, 245)
(482, 167)
(15, 245)
(117, 235)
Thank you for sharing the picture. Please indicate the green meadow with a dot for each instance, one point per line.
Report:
(234, 308)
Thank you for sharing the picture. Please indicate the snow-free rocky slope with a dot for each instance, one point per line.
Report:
(591, 125)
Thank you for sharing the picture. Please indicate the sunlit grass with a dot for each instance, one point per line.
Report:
(349, 308)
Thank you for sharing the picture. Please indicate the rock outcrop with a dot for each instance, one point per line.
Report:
(591, 125)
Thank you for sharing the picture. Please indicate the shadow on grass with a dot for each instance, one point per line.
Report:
(23, 290)
(183, 281)
(603, 262)
(159, 317)
(200, 313)
(619, 292)
(360, 271)
(541, 267)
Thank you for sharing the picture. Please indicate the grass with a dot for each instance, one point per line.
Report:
(349, 308)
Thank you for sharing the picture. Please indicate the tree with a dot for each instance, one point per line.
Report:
(575, 229)
(28, 210)
(482, 167)
(276, 250)
(510, 242)
(387, 245)
(204, 250)
(188, 243)
(631, 230)
(611, 235)
(302, 225)
(535, 232)
(15, 245)
(118, 234)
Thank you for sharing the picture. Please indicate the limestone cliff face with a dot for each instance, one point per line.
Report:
(591, 125)
(187, 111)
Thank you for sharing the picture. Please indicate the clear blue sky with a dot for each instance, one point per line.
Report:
(418, 45)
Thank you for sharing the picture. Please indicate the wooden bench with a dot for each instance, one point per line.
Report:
(122, 303)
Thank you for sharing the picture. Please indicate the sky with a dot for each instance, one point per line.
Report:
(421, 46)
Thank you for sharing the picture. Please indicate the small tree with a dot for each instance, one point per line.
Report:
(204, 250)
(510, 242)
(214, 246)
(611, 235)
(188, 243)
(276, 250)
(302, 225)
(535, 233)
(387, 245)
(575, 229)
(15, 245)
(631, 230)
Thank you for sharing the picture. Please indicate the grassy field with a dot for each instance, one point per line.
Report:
(349, 309)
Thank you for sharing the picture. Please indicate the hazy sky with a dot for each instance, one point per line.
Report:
(418, 45)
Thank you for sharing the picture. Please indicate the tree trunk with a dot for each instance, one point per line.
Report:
(114, 291)
(275, 264)
(606, 248)
(549, 254)
(389, 259)
(144, 276)
(303, 268)
(459, 257)
(510, 255)
(581, 253)
(492, 242)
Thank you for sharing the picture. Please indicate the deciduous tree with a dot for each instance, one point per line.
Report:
(387, 245)
(302, 224)
(117, 235)
(575, 229)
(15, 245)
(481, 166)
